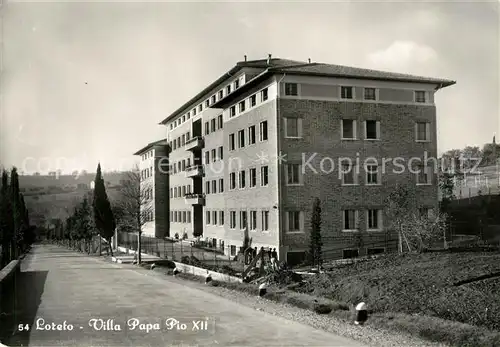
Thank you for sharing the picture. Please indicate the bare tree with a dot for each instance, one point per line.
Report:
(136, 206)
(400, 203)
(425, 229)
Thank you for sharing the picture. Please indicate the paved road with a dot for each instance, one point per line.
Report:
(59, 286)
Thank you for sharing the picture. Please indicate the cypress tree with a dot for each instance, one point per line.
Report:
(316, 243)
(103, 215)
(17, 212)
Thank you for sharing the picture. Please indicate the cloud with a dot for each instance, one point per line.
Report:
(403, 56)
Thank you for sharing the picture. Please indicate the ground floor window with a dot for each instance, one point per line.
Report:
(295, 258)
(350, 253)
(233, 250)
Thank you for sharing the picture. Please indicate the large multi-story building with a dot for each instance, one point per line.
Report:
(255, 148)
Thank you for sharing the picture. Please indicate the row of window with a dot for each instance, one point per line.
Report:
(214, 125)
(148, 216)
(253, 223)
(146, 173)
(147, 155)
(180, 191)
(251, 102)
(180, 141)
(372, 130)
(210, 101)
(347, 92)
(242, 139)
(180, 216)
(294, 174)
(211, 186)
(252, 178)
(214, 155)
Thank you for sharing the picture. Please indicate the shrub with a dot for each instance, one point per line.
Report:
(322, 309)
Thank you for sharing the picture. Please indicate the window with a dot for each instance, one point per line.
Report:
(264, 179)
(232, 111)
(232, 219)
(293, 174)
(207, 187)
(293, 127)
(251, 135)
(214, 217)
(241, 138)
(214, 99)
(346, 92)
(242, 182)
(207, 129)
(231, 142)
(183, 190)
(294, 224)
(188, 115)
(220, 124)
(423, 175)
(420, 96)
(373, 219)
(188, 136)
(207, 103)
(422, 131)
(184, 216)
(374, 251)
(243, 219)
(233, 250)
(220, 153)
(236, 84)
(372, 177)
(221, 94)
(370, 94)
(253, 100)
(214, 186)
(265, 220)
(214, 156)
(221, 185)
(424, 212)
(348, 129)
(291, 89)
(253, 220)
(189, 216)
(348, 173)
(232, 180)
(350, 253)
(253, 177)
(207, 157)
(350, 220)
(228, 89)
(263, 131)
(264, 94)
(194, 111)
(183, 118)
(212, 125)
(372, 130)
(207, 217)
(242, 106)
(221, 217)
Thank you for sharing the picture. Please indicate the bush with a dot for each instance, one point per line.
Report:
(322, 309)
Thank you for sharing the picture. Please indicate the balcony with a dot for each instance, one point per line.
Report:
(194, 171)
(194, 143)
(195, 199)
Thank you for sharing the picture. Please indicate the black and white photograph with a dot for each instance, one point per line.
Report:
(249, 173)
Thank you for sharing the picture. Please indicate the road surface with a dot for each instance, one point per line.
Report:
(76, 291)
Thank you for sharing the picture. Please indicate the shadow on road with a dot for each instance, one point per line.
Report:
(20, 305)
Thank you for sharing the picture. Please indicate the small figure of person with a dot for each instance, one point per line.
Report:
(254, 252)
(270, 253)
(274, 259)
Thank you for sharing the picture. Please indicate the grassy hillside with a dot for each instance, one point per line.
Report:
(427, 284)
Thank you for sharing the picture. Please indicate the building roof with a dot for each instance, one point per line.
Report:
(260, 63)
(295, 67)
(150, 145)
(330, 70)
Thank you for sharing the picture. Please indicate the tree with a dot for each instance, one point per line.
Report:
(424, 229)
(17, 211)
(83, 223)
(103, 215)
(135, 205)
(316, 243)
(400, 203)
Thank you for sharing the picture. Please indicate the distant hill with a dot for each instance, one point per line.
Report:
(113, 178)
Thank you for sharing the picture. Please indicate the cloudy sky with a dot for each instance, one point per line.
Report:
(91, 81)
